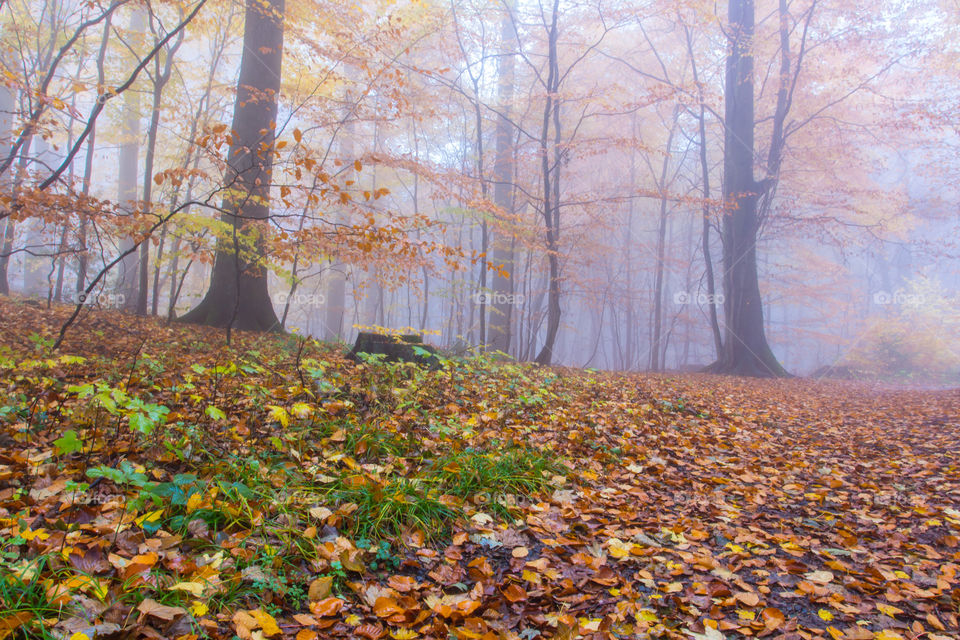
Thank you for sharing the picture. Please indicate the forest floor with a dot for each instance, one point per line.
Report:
(157, 483)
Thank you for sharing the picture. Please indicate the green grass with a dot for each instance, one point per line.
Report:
(23, 593)
(385, 510)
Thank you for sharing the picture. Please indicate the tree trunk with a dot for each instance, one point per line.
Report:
(8, 100)
(161, 75)
(656, 362)
(238, 296)
(336, 302)
(745, 348)
(503, 300)
(128, 173)
(551, 190)
(88, 160)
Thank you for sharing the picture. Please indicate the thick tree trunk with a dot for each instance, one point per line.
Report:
(745, 348)
(238, 296)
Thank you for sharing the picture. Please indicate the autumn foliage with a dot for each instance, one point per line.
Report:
(155, 483)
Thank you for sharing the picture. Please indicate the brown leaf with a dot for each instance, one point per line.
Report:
(150, 607)
(370, 630)
(320, 588)
(403, 584)
(515, 593)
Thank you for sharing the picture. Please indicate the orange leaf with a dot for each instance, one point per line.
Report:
(402, 583)
(371, 631)
(385, 607)
(515, 593)
(773, 618)
(327, 607)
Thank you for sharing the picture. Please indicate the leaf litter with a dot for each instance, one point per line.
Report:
(155, 483)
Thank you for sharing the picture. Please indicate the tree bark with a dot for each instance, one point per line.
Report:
(128, 172)
(656, 362)
(8, 102)
(238, 296)
(745, 348)
(503, 300)
(551, 189)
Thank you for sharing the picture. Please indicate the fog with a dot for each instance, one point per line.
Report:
(557, 181)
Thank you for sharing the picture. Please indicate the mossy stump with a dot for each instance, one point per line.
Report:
(401, 348)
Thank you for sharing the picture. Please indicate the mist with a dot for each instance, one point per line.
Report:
(635, 186)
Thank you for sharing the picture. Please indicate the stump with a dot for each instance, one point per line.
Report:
(396, 348)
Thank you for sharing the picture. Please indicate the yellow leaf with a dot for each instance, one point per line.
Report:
(279, 414)
(199, 609)
(30, 535)
(150, 516)
(835, 633)
(266, 621)
(825, 615)
(886, 634)
(79, 635)
(531, 576)
(646, 615)
(301, 410)
(194, 502)
(403, 634)
(888, 610)
(194, 588)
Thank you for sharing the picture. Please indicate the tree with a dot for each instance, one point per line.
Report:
(745, 349)
(501, 308)
(551, 186)
(238, 296)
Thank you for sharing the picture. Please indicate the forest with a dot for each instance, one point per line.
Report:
(623, 185)
(486, 319)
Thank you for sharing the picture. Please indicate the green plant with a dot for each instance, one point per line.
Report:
(26, 596)
(386, 509)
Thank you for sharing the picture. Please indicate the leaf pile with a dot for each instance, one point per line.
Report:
(155, 483)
